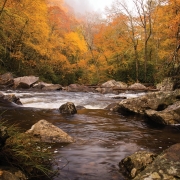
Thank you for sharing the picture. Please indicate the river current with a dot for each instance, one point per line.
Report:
(103, 138)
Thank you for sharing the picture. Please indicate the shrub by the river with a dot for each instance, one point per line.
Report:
(19, 150)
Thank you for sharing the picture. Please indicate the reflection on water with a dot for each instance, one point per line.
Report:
(102, 138)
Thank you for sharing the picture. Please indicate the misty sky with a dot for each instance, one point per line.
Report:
(84, 6)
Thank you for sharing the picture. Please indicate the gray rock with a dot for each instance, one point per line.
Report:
(113, 83)
(165, 166)
(68, 108)
(47, 132)
(112, 86)
(137, 86)
(134, 164)
(25, 82)
(169, 116)
(108, 84)
(155, 101)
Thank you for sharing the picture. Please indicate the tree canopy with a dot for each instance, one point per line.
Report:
(46, 39)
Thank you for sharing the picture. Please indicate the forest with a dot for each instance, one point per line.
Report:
(45, 38)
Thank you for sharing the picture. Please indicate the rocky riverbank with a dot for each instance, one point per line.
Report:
(7, 81)
(148, 166)
(162, 107)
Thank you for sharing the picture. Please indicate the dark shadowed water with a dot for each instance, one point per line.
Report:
(103, 138)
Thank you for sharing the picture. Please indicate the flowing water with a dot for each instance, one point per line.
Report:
(103, 138)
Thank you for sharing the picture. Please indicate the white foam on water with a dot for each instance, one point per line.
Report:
(53, 100)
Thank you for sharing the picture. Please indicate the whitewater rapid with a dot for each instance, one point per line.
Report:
(54, 99)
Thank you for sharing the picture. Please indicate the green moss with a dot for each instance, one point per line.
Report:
(34, 159)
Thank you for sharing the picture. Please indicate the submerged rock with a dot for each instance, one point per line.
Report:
(47, 132)
(134, 164)
(165, 166)
(68, 108)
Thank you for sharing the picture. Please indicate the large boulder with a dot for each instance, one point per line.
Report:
(169, 116)
(108, 84)
(46, 132)
(165, 166)
(112, 86)
(156, 101)
(52, 87)
(135, 163)
(25, 82)
(68, 108)
(7, 79)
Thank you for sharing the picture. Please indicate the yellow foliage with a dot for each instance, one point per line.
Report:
(74, 44)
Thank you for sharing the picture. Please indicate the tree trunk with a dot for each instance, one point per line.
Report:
(3, 8)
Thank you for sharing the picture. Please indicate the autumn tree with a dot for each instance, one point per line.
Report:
(24, 33)
(174, 34)
(131, 27)
(144, 10)
(91, 26)
(3, 6)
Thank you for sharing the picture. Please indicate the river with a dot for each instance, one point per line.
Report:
(103, 138)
